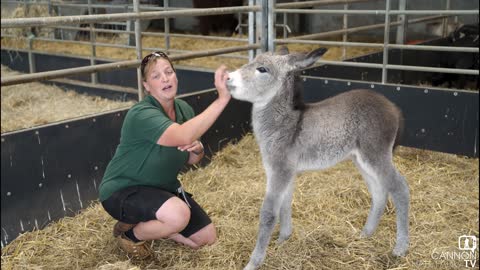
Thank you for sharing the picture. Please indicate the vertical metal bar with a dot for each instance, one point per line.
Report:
(240, 30)
(131, 25)
(455, 18)
(402, 27)
(261, 22)
(262, 26)
(402, 31)
(251, 30)
(345, 35)
(138, 46)
(31, 56)
(50, 9)
(61, 29)
(93, 55)
(271, 29)
(166, 23)
(53, 35)
(128, 24)
(30, 37)
(446, 20)
(285, 23)
(25, 10)
(386, 39)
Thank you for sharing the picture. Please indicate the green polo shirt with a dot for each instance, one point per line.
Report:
(139, 160)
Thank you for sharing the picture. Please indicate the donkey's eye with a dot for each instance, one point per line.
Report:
(262, 69)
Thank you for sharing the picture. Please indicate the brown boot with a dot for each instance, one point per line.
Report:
(140, 250)
(121, 227)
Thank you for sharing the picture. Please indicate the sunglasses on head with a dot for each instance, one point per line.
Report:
(147, 58)
(151, 56)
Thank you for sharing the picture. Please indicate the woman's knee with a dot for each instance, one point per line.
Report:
(174, 213)
(205, 236)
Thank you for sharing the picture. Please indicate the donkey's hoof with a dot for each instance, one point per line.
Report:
(284, 235)
(400, 250)
(282, 239)
(365, 233)
(250, 266)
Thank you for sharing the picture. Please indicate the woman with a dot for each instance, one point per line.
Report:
(159, 135)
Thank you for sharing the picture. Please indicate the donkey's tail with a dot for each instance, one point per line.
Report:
(401, 126)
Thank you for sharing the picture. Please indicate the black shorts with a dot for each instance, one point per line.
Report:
(140, 203)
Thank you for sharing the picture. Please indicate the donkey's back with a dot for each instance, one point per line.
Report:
(358, 121)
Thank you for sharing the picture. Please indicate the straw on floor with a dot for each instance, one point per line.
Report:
(329, 210)
(34, 104)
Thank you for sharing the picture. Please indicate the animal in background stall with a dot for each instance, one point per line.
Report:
(437, 28)
(464, 36)
(217, 24)
(360, 125)
(85, 34)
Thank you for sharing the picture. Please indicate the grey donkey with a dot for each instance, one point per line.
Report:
(293, 136)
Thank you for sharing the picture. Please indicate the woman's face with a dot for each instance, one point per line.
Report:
(161, 81)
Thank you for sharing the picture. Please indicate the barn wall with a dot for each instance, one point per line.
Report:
(53, 171)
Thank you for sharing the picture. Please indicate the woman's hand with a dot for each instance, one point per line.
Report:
(221, 77)
(196, 148)
(196, 151)
(183, 135)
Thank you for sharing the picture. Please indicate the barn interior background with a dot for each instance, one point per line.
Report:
(58, 135)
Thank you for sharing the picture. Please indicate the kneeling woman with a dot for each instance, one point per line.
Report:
(159, 135)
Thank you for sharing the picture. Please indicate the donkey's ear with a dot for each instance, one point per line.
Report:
(282, 50)
(317, 53)
(310, 58)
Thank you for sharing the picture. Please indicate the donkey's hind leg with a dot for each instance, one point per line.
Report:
(389, 180)
(400, 193)
(378, 191)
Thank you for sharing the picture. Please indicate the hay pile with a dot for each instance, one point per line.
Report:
(30, 12)
(33, 104)
(329, 210)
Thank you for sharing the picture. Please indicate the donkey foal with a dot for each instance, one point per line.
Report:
(360, 124)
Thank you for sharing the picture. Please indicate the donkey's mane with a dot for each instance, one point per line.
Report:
(297, 98)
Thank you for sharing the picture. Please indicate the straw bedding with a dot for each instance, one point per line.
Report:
(329, 210)
(329, 207)
(33, 104)
(32, 11)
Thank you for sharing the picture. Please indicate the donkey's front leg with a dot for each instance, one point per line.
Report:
(277, 186)
(286, 214)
